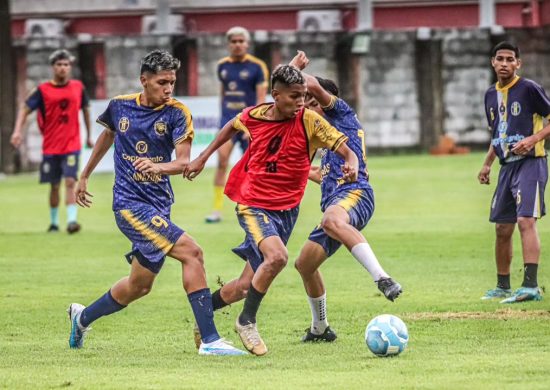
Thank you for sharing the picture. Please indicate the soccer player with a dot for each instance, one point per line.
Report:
(58, 102)
(347, 207)
(268, 184)
(146, 127)
(515, 108)
(243, 79)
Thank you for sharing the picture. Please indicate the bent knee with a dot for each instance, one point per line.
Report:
(331, 224)
(277, 259)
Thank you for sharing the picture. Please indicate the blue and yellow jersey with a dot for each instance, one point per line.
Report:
(515, 112)
(340, 115)
(239, 80)
(144, 132)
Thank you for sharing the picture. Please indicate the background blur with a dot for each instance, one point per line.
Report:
(414, 70)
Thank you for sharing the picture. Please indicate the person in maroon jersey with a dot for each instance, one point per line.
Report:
(268, 184)
(58, 103)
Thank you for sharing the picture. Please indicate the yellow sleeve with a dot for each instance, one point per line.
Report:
(330, 106)
(239, 125)
(320, 133)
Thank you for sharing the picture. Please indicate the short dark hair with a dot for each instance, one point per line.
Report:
(328, 85)
(157, 61)
(287, 75)
(59, 55)
(505, 45)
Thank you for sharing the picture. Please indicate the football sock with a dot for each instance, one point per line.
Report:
(54, 216)
(72, 211)
(318, 314)
(251, 306)
(530, 275)
(366, 257)
(218, 198)
(102, 307)
(503, 281)
(201, 303)
(217, 300)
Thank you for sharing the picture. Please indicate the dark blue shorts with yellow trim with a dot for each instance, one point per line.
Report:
(359, 203)
(56, 166)
(520, 190)
(259, 224)
(152, 234)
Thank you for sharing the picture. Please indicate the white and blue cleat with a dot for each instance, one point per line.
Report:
(524, 294)
(220, 347)
(497, 292)
(78, 333)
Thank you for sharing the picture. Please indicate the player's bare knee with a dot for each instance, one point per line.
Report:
(277, 259)
(526, 223)
(331, 224)
(504, 230)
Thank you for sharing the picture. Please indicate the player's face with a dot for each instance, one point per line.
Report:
(505, 64)
(313, 104)
(238, 46)
(289, 100)
(158, 87)
(61, 69)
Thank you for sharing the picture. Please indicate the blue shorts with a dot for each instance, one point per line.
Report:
(56, 166)
(520, 190)
(259, 224)
(152, 234)
(359, 204)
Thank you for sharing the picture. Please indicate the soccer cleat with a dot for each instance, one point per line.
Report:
(524, 294)
(389, 287)
(73, 227)
(220, 347)
(214, 217)
(53, 228)
(251, 338)
(497, 292)
(197, 336)
(78, 333)
(328, 335)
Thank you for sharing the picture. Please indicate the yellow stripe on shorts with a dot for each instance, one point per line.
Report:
(351, 200)
(251, 223)
(158, 240)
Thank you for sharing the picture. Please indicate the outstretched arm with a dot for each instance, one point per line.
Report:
(315, 89)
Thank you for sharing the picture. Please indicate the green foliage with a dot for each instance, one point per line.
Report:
(430, 231)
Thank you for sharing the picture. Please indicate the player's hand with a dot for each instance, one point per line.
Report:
(90, 143)
(483, 175)
(16, 139)
(194, 168)
(81, 193)
(524, 146)
(145, 165)
(350, 174)
(300, 60)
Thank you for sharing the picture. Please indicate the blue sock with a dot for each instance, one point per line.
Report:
(102, 307)
(54, 216)
(201, 303)
(72, 210)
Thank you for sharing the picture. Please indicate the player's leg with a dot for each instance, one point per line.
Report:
(189, 253)
(310, 259)
(69, 165)
(54, 207)
(224, 153)
(50, 172)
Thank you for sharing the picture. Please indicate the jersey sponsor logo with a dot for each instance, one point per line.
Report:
(232, 85)
(141, 147)
(160, 127)
(155, 159)
(502, 127)
(515, 108)
(123, 124)
(144, 177)
(244, 74)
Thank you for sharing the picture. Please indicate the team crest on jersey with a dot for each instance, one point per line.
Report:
(515, 108)
(123, 124)
(160, 127)
(141, 147)
(232, 85)
(243, 74)
(223, 74)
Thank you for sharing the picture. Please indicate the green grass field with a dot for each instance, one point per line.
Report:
(430, 231)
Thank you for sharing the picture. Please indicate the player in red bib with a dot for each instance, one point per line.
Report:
(58, 103)
(268, 184)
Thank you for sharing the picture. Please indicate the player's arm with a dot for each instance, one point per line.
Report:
(261, 91)
(18, 135)
(300, 61)
(527, 144)
(315, 174)
(88, 124)
(174, 167)
(104, 142)
(351, 162)
(485, 172)
(197, 165)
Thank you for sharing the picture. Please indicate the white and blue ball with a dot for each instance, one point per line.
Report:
(386, 335)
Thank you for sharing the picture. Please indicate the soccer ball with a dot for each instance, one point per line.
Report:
(386, 335)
